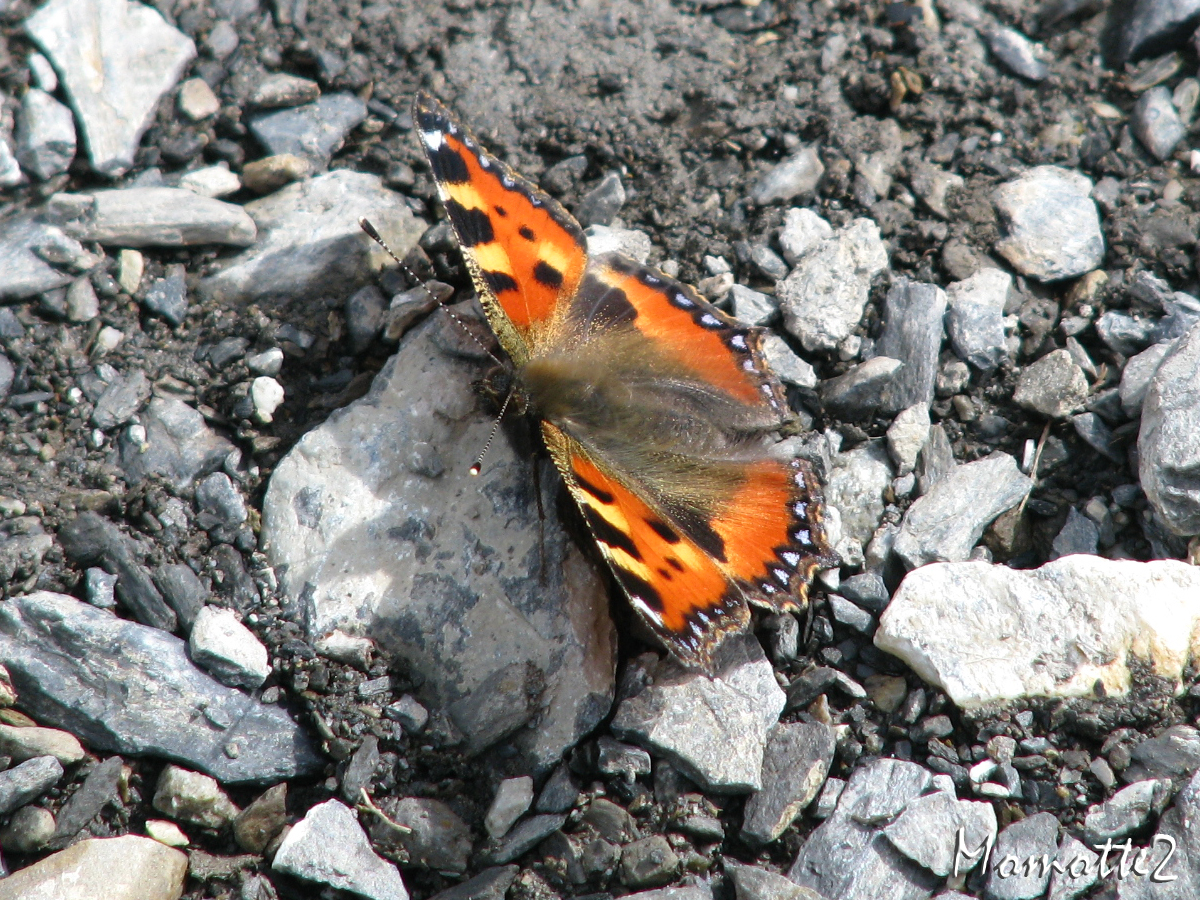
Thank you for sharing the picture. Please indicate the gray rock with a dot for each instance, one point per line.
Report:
(616, 758)
(928, 832)
(1149, 25)
(490, 884)
(824, 296)
(753, 883)
(100, 788)
(153, 217)
(700, 891)
(1126, 811)
(522, 839)
(377, 526)
(23, 271)
(949, 519)
(10, 170)
(28, 781)
(217, 498)
(177, 445)
(8, 374)
(82, 303)
(280, 89)
(912, 333)
(807, 687)
(1168, 453)
(1098, 436)
(975, 319)
(851, 615)
(149, 871)
(45, 135)
(121, 400)
(131, 689)
(1051, 224)
(752, 307)
(629, 241)
(1019, 54)
(933, 184)
(438, 839)
(20, 744)
(328, 846)
(412, 716)
(168, 296)
(1172, 754)
(795, 764)
(1137, 374)
(1124, 333)
(359, 773)
(848, 857)
(90, 539)
(1029, 838)
(796, 176)
(314, 132)
(856, 394)
(802, 230)
(225, 648)
(602, 203)
(559, 793)
(141, 56)
(513, 798)
(310, 243)
(1079, 534)
(649, 862)
(1054, 386)
(364, 316)
(828, 800)
(193, 798)
(1081, 870)
(1056, 631)
(907, 436)
(28, 830)
(714, 730)
(867, 590)
(789, 367)
(1156, 123)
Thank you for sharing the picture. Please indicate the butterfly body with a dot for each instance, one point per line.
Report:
(654, 406)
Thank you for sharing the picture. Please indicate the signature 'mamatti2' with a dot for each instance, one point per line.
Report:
(653, 404)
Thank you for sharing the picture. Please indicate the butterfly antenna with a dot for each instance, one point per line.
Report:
(478, 467)
(373, 234)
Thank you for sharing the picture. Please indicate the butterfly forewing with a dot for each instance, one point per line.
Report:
(525, 253)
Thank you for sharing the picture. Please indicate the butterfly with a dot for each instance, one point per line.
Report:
(653, 404)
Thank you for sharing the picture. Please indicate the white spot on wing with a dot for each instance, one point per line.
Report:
(682, 300)
(710, 321)
(432, 139)
(738, 341)
(792, 559)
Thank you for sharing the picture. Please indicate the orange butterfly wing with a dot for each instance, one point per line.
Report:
(526, 254)
(688, 567)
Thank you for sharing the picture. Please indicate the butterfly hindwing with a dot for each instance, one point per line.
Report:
(526, 254)
(722, 352)
(673, 583)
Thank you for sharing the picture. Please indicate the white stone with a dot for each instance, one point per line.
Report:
(824, 296)
(907, 436)
(227, 649)
(329, 846)
(166, 833)
(131, 265)
(1051, 223)
(193, 797)
(266, 394)
(197, 100)
(211, 181)
(116, 60)
(1004, 634)
(802, 230)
